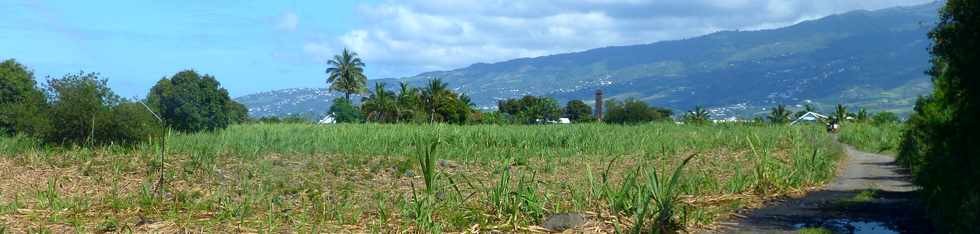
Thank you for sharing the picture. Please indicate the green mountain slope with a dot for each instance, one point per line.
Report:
(874, 59)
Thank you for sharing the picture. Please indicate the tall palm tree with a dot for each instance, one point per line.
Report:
(779, 114)
(346, 73)
(433, 96)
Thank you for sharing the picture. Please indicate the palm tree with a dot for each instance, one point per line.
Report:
(779, 115)
(465, 99)
(697, 116)
(380, 105)
(841, 114)
(408, 100)
(806, 108)
(433, 97)
(346, 73)
(862, 116)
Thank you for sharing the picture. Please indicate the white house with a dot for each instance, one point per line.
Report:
(564, 121)
(327, 120)
(809, 116)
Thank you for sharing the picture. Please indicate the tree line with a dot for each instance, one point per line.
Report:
(435, 102)
(939, 143)
(81, 109)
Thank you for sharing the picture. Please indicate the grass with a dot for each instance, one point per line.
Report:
(815, 230)
(863, 197)
(878, 138)
(416, 178)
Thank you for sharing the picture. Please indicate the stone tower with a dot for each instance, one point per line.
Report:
(598, 105)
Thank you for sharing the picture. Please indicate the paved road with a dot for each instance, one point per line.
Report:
(891, 210)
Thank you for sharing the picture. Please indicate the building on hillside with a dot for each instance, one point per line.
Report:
(731, 119)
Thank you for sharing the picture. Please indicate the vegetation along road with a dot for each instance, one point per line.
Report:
(871, 195)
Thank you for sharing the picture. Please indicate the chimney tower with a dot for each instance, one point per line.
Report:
(598, 105)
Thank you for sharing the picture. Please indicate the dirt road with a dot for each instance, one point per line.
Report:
(871, 195)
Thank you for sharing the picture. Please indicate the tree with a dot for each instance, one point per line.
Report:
(189, 102)
(381, 105)
(343, 111)
(22, 103)
(779, 115)
(435, 97)
(130, 123)
(633, 111)
(885, 117)
(841, 113)
(697, 116)
(409, 104)
(939, 144)
(806, 108)
(530, 109)
(578, 111)
(80, 106)
(237, 112)
(88, 112)
(346, 73)
(862, 116)
(540, 108)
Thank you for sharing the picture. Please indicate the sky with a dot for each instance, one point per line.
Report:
(256, 46)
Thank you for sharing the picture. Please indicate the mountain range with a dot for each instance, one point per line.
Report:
(870, 59)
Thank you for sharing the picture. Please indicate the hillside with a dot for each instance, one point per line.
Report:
(874, 59)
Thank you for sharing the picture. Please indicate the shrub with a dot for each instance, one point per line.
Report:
(344, 112)
(131, 122)
(86, 111)
(885, 117)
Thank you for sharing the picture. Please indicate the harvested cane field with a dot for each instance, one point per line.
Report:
(412, 178)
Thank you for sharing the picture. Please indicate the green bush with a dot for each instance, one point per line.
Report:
(578, 111)
(131, 122)
(189, 102)
(633, 111)
(940, 142)
(530, 109)
(22, 104)
(343, 111)
(85, 111)
(885, 117)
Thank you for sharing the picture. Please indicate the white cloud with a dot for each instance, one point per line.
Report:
(321, 51)
(401, 38)
(289, 21)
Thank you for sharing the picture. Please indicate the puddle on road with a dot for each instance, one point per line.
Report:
(852, 226)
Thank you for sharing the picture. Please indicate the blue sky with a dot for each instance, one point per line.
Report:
(255, 46)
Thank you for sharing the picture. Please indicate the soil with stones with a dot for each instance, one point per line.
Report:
(871, 195)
